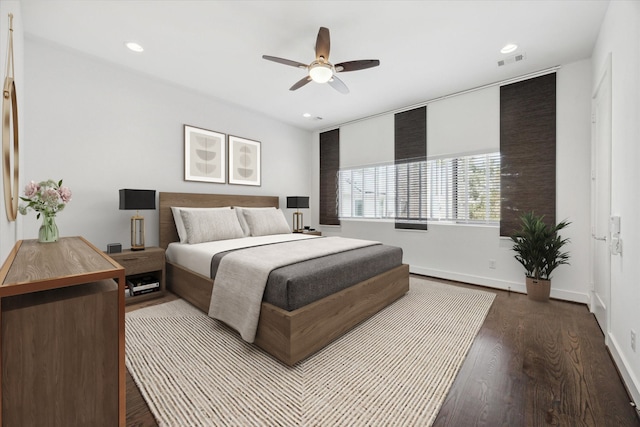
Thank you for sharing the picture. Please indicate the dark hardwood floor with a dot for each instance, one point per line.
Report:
(532, 364)
(537, 364)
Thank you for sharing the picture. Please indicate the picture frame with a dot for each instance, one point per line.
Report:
(204, 155)
(244, 161)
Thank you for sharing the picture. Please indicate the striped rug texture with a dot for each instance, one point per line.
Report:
(392, 370)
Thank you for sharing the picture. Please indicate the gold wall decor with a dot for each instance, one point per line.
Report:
(9, 129)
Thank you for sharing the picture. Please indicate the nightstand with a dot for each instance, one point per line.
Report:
(148, 262)
(310, 233)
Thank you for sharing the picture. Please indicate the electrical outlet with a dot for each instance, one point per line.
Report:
(633, 340)
(492, 264)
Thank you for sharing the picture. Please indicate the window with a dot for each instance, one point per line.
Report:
(367, 192)
(462, 189)
(411, 200)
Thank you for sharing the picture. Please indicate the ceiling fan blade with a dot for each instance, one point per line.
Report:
(338, 85)
(323, 44)
(284, 61)
(356, 65)
(303, 81)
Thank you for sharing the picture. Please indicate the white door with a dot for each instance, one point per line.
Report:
(601, 200)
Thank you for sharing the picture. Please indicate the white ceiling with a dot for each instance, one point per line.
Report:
(427, 49)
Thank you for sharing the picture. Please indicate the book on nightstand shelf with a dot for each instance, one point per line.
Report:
(142, 285)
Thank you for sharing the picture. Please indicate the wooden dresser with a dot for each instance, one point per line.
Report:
(62, 336)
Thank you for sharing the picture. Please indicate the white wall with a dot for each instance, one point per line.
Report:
(462, 252)
(620, 36)
(10, 231)
(101, 128)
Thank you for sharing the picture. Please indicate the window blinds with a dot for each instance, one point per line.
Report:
(329, 167)
(528, 150)
(464, 189)
(410, 148)
(476, 188)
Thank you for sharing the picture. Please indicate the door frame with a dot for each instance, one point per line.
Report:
(604, 77)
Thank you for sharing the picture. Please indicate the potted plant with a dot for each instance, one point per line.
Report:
(538, 248)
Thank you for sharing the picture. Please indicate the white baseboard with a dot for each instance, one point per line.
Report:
(497, 283)
(624, 367)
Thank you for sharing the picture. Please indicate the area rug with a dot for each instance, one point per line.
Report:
(393, 369)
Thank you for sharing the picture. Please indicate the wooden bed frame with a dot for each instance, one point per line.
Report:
(289, 336)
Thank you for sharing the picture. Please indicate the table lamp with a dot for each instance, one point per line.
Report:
(297, 202)
(137, 200)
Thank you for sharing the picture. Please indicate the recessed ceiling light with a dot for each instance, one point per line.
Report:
(134, 46)
(307, 115)
(508, 48)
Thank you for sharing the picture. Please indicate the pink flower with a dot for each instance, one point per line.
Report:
(47, 197)
(65, 194)
(50, 196)
(31, 189)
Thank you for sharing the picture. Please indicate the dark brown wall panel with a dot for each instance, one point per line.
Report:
(329, 167)
(410, 144)
(528, 151)
(411, 135)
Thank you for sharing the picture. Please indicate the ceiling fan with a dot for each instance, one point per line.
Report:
(321, 70)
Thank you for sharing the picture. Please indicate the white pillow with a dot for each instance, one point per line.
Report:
(243, 221)
(177, 218)
(180, 223)
(266, 222)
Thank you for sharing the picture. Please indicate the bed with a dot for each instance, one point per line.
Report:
(288, 335)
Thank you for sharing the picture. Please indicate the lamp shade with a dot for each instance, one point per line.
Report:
(137, 199)
(297, 202)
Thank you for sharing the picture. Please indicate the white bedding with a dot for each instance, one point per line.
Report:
(242, 276)
(197, 257)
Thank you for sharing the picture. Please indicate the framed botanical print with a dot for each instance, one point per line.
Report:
(244, 161)
(204, 155)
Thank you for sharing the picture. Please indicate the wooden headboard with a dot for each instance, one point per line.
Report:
(168, 232)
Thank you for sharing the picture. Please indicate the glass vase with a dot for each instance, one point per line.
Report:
(48, 232)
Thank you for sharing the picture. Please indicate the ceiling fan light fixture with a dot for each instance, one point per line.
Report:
(320, 72)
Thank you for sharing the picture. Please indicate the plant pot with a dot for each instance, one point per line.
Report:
(538, 289)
